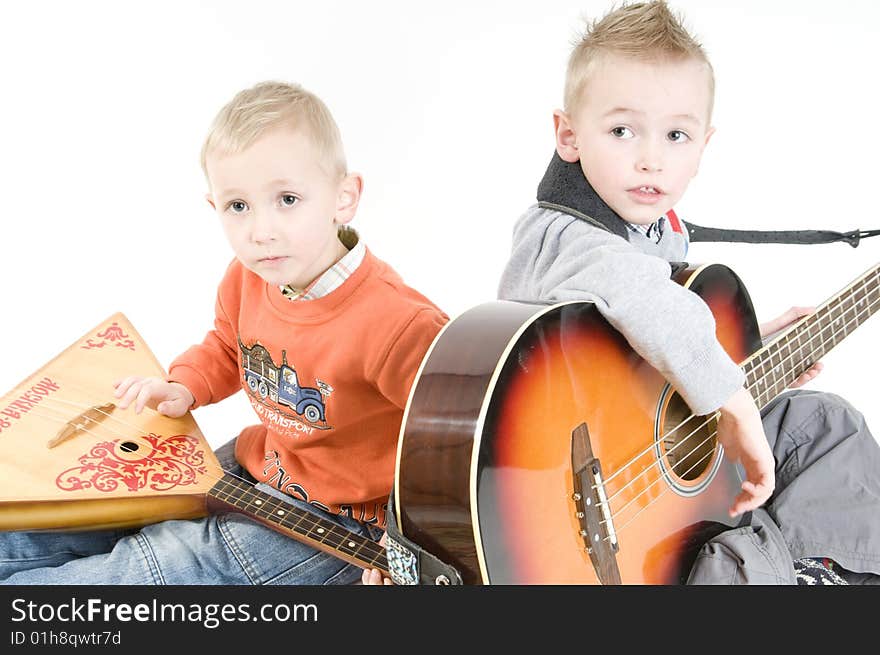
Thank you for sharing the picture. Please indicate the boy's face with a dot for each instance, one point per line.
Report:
(279, 208)
(639, 133)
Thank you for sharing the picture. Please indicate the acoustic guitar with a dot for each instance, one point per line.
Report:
(71, 460)
(538, 448)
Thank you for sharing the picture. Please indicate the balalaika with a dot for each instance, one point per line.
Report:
(71, 460)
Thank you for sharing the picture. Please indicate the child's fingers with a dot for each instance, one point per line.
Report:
(370, 577)
(751, 497)
(145, 395)
(142, 398)
(129, 395)
(374, 577)
(124, 385)
(808, 375)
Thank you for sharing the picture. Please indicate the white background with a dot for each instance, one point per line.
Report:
(446, 110)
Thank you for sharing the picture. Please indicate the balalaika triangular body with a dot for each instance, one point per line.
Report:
(70, 459)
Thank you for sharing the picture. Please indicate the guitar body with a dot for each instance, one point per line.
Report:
(517, 407)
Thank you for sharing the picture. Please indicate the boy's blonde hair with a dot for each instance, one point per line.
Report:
(647, 31)
(268, 105)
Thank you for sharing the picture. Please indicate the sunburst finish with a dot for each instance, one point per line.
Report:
(485, 477)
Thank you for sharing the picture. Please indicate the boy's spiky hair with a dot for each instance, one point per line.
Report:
(268, 105)
(646, 31)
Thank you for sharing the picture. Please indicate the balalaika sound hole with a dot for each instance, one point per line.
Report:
(128, 446)
(686, 444)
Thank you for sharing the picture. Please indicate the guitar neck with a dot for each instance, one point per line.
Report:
(234, 494)
(774, 367)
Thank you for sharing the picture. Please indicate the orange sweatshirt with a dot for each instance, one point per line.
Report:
(328, 378)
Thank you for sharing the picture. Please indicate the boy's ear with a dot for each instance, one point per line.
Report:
(210, 200)
(709, 134)
(348, 197)
(566, 139)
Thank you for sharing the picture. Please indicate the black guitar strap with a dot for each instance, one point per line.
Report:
(804, 237)
(564, 188)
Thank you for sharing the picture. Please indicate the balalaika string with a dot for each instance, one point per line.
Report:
(254, 501)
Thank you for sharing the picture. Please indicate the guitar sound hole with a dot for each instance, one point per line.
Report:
(689, 441)
(128, 446)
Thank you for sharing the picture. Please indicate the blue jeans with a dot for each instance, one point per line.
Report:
(222, 549)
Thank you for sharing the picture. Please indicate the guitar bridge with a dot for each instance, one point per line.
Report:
(591, 508)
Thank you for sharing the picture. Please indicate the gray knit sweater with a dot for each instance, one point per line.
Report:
(557, 256)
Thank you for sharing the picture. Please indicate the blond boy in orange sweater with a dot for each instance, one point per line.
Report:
(323, 337)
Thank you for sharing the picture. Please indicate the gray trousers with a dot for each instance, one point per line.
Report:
(826, 502)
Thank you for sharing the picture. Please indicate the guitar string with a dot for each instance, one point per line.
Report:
(681, 474)
(620, 510)
(712, 417)
(648, 468)
(306, 519)
(790, 356)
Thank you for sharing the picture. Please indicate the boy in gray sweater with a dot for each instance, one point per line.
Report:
(638, 104)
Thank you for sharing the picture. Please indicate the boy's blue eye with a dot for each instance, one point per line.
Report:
(288, 199)
(622, 132)
(677, 136)
(238, 206)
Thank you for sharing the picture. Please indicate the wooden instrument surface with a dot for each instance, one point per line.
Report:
(71, 460)
(539, 448)
(108, 467)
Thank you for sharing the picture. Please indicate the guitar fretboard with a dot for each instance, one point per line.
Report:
(298, 523)
(773, 368)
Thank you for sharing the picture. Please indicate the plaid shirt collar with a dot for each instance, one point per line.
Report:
(334, 276)
(654, 231)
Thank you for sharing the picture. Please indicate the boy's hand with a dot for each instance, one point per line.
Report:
(168, 398)
(793, 315)
(374, 576)
(741, 433)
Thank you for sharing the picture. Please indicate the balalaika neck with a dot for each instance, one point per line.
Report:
(779, 363)
(239, 495)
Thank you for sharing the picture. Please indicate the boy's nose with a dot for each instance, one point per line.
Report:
(262, 228)
(649, 160)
